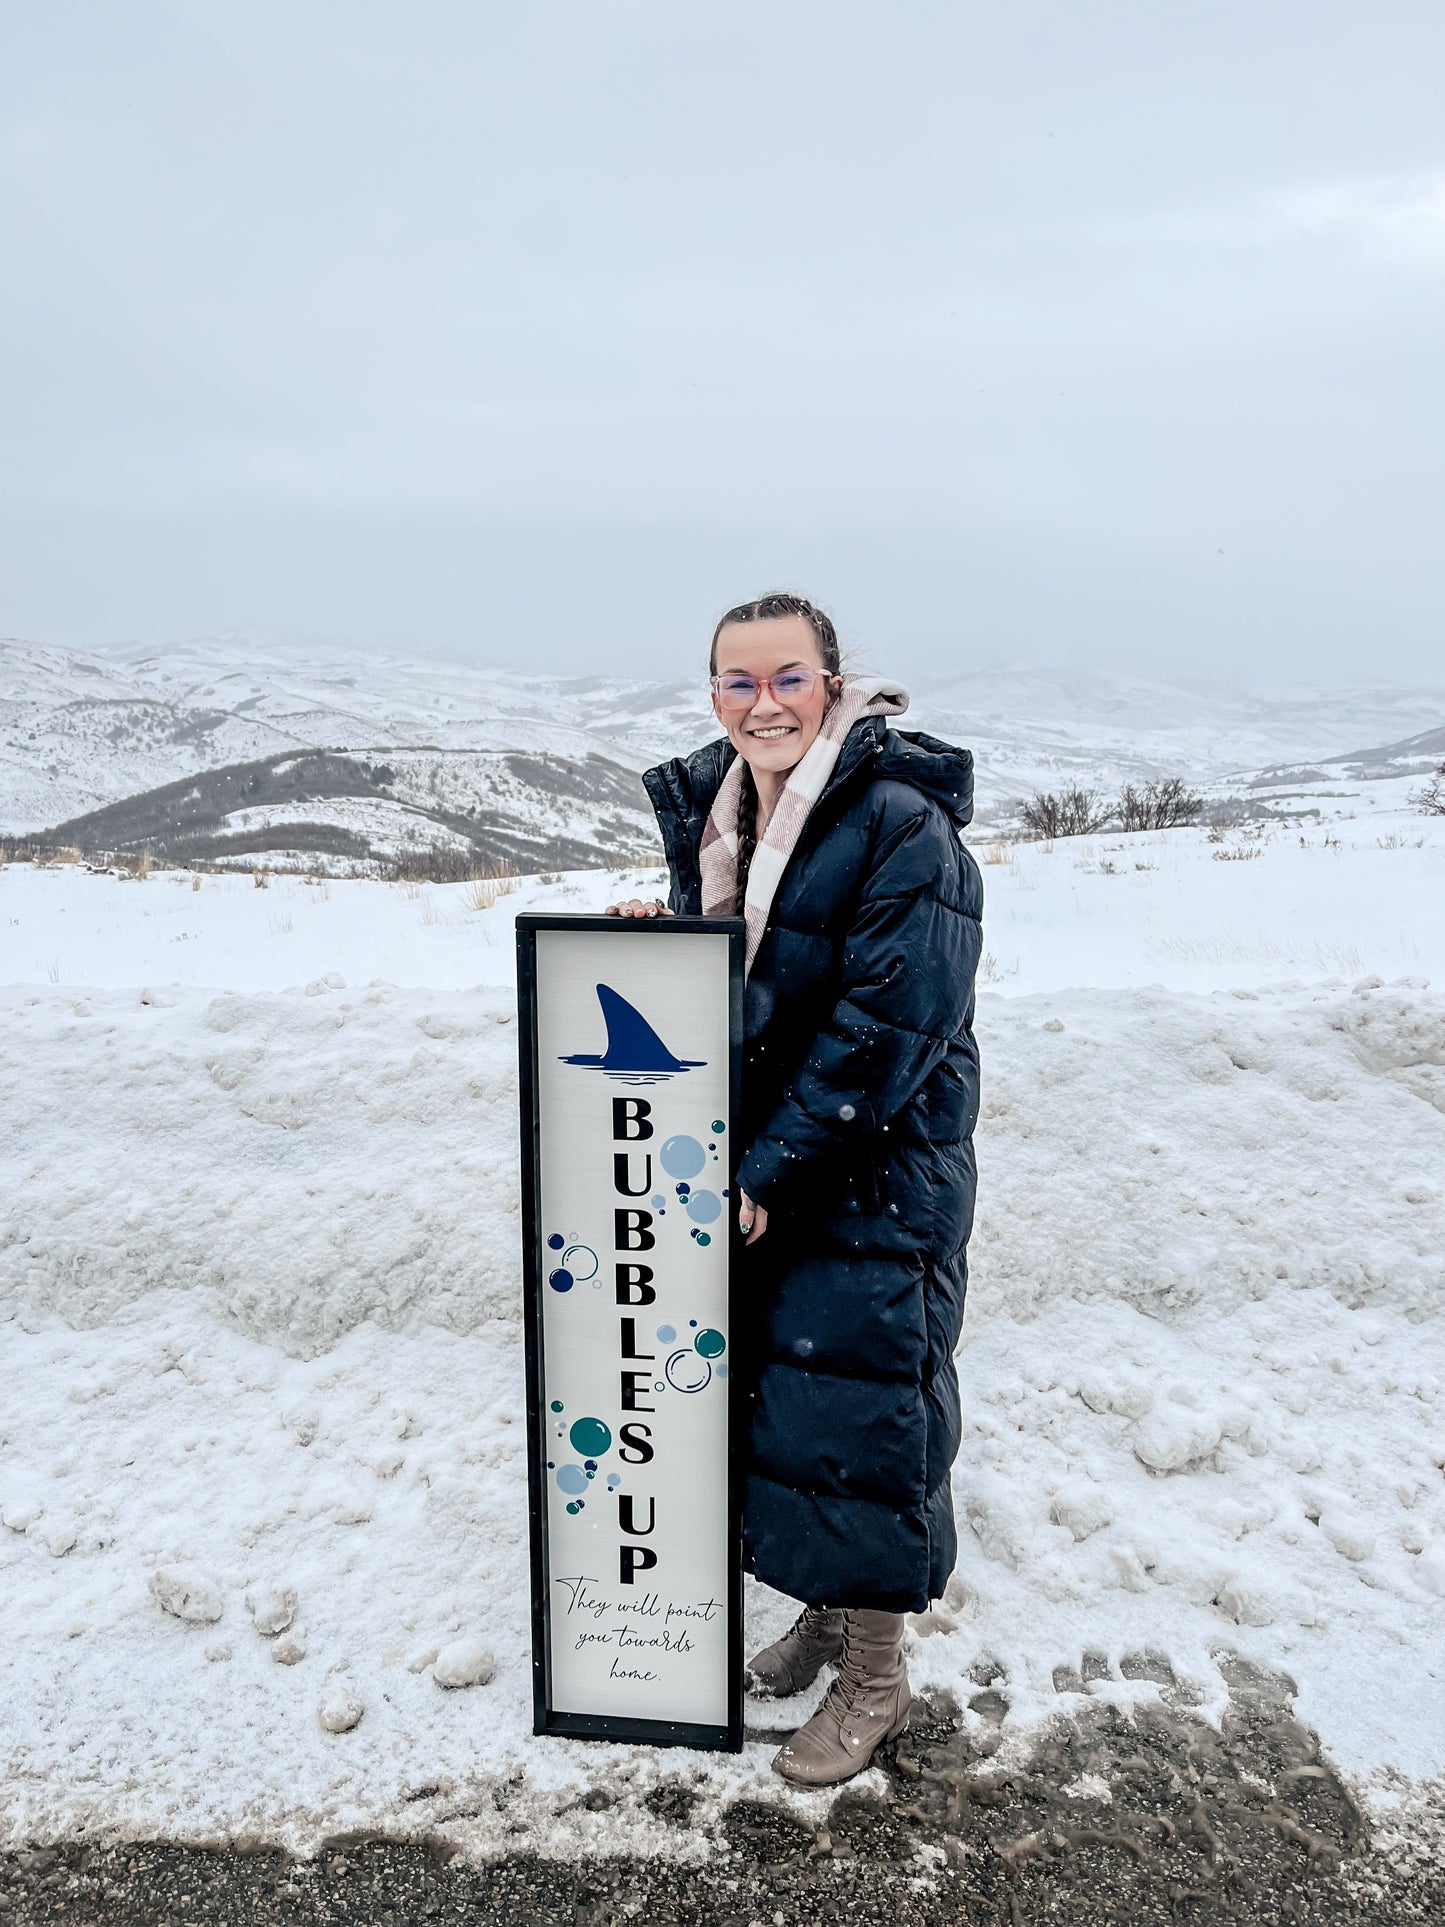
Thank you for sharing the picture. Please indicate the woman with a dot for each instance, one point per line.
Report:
(837, 839)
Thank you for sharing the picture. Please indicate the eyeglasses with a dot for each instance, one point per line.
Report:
(788, 686)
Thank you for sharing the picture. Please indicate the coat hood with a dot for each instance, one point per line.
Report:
(682, 789)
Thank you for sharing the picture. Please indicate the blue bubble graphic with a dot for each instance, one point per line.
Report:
(682, 1157)
(556, 1241)
(704, 1206)
(572, 1479)
(665, 1334)
(590, 1437)
(561, 1281)
(658, 1202)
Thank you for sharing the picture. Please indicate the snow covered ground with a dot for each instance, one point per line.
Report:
(260, 1328)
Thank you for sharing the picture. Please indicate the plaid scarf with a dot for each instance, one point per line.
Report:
(718, 851)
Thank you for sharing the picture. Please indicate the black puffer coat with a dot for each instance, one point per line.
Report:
(860, 1094)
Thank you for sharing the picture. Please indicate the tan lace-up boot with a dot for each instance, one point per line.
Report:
(866, 1705)
(795, 1661)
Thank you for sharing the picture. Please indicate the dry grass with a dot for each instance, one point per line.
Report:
(261, 879)
(483, 894)
(997, 851)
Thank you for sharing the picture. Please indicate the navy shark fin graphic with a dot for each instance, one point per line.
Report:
(633, 1046)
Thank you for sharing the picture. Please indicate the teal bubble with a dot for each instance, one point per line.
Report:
(572, 1479)
(711, 1344)
(590, 1437)
(556, 1404)
(682, 1157)
(574, 1505)
(702, 1237)
(718, 1126)
(704, 1206)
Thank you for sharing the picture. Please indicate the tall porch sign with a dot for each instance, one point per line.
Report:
(630, 1054)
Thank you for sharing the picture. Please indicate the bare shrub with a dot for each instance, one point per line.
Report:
(1163, 805)
(1072, 812)
(261, 879)
(1430, 800)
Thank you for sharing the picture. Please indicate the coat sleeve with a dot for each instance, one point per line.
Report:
(907, 992)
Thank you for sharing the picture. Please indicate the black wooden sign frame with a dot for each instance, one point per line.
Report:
(727, 1737)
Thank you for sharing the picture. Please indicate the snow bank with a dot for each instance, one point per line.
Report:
(306, 1160)
(310, 1160)
(259, 1257)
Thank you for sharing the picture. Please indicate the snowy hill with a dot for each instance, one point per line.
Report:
(480, 754)
(511, 772)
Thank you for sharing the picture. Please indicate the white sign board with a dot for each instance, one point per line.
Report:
(629, 1059)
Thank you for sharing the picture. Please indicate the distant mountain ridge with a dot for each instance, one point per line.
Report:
(227, 751)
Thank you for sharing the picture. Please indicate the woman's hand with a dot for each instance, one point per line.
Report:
(752, 1218)
(635, 907)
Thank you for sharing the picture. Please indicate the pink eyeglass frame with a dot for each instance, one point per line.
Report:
(766, 682)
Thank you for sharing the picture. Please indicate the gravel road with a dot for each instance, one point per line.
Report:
(1149, 1817)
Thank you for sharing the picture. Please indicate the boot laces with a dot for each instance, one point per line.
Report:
(810, 1625)
(846, 1681)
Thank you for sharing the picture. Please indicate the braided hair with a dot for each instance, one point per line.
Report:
(768, 608)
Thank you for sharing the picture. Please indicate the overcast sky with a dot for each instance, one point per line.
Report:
(1107, 330)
